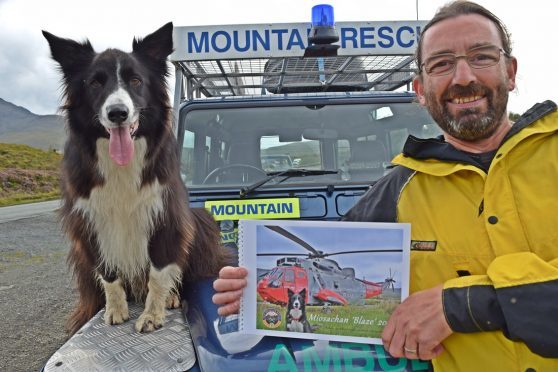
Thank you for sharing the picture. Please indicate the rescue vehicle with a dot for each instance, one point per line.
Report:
(292, 120)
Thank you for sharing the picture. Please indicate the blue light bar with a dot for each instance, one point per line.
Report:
(322, 15)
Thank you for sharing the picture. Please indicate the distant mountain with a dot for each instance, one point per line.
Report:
(19, 125)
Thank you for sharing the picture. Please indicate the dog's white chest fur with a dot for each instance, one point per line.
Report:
(295, 325)
(296, 313)
(122, 213)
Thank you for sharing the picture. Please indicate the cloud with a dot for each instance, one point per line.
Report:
(27, 79)
(108, 23)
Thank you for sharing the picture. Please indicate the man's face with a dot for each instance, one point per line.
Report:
(468, 104)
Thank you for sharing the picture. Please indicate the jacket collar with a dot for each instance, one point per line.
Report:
(437, 148)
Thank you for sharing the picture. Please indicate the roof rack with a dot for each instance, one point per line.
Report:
(239, 60)
(283, 75)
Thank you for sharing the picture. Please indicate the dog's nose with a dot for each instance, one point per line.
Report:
(117, 113)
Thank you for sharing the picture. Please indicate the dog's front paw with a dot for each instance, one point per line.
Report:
(116, 314)
(148, 322)
(173, 301)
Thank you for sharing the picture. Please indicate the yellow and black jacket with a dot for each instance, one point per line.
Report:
(490, 235)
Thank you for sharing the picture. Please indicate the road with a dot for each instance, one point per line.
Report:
(36, 292)
(18, 212)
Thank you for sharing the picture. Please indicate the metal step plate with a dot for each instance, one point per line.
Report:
(100, 347)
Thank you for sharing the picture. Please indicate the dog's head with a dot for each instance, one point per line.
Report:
(297, 300)
(114, 94)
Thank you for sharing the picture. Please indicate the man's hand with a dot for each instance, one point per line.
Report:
(417, 326)
(229, 286)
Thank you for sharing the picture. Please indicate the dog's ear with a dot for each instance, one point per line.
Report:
(70, 55)
(289, 292)
(303, 293)
(157, 45)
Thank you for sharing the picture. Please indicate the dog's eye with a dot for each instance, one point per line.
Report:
(94, 83)
(135, 82)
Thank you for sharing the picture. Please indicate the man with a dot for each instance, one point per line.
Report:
(481, 202)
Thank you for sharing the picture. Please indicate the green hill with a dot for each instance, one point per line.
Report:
(28, 174)
(19, 125)
(308, 152)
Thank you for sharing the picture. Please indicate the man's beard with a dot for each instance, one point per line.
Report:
(469, 124)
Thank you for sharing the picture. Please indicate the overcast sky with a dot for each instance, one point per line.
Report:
(29, 78)
(371, 266)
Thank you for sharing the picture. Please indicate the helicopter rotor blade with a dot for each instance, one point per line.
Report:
(364, 251)
(294, 238)
(282, 254)
(390, 282)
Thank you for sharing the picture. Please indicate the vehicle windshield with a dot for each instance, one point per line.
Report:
(240, 146)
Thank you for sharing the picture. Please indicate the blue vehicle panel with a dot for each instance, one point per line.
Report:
(375, 118)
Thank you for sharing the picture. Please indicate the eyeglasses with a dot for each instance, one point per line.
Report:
(477, 58)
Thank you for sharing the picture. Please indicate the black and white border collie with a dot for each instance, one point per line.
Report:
(125, 208)
(296, 312)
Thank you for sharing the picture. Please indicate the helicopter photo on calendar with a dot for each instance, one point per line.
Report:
(337, 281)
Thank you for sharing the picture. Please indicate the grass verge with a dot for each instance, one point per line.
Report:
(28, 174)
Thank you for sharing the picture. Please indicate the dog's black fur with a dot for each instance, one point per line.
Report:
(296, 312)
(125, 208)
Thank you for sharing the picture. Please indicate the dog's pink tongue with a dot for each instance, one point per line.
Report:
(121, 145)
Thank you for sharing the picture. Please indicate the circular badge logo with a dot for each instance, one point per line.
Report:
(271, 318)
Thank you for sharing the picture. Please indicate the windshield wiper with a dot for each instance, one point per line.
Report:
(287, 174)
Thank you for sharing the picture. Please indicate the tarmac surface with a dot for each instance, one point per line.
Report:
(36, 292)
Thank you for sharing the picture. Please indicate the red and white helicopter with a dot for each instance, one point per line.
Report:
(324, 280)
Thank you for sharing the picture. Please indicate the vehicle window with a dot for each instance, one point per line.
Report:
(278, 156)
(239, 146)
(343, 151)
(289, 275)
(397, 139)
(277, 274)
(187, 158)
